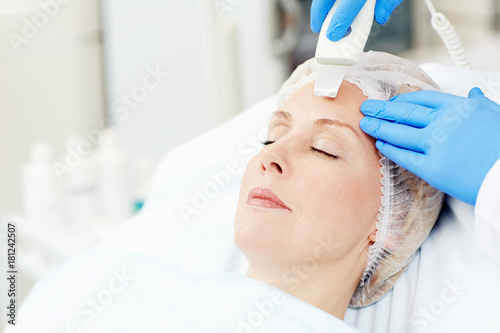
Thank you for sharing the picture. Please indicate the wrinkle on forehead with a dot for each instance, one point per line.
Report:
(345, 108)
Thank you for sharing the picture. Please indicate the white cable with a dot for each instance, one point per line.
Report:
(430, 5)
(449, 36)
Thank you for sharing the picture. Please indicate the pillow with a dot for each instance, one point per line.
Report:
(190, 164)
(187, 219)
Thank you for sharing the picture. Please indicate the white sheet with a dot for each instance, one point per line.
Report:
(134, 293)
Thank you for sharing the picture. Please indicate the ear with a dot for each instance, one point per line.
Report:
(373, 236)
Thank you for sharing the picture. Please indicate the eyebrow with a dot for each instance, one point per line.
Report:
(318, 122)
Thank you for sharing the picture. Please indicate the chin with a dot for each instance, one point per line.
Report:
(252, 242)
(247, 237)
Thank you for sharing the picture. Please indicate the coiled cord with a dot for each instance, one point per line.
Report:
(449, 37)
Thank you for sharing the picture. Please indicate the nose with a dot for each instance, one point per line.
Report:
(274, 159)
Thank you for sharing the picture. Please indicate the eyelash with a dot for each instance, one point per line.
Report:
(317, 151)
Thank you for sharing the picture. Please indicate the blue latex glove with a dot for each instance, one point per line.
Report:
(450, 142)
(345, 14)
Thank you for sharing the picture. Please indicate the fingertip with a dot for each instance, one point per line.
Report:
(380, 145)
(334, 32)
(370, 126)
(382, 16)
(317, 14)
(384, 10)
(339, 25)
(370, 107)
(366, 110)
(363, 122)
(315, 26)
(333, 36)
(475, 92)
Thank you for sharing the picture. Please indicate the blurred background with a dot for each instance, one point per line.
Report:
(95, 92)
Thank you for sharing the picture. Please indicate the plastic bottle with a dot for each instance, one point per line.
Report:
(42, 191)
(145, 167)
(114, 182)
(81, 188)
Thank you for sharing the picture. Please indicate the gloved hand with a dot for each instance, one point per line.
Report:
(345, 14)
(450, 142)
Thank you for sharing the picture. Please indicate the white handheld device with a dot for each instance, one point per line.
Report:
(335, 58)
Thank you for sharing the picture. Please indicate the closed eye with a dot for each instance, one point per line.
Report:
(324, 153)
(317, 151)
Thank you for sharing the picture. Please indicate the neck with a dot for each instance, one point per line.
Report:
(327, 287)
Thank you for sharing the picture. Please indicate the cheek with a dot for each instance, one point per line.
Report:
(249, 178)
(345, 200)
(240, 223)
(253, 231)
(333, 188)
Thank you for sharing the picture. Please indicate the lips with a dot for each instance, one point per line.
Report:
(266, 198)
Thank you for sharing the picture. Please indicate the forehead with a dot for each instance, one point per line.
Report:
(344, 107)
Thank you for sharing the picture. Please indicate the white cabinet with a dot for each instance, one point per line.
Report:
(50, 81)
(215, 58)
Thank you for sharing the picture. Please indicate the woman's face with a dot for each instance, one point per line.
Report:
(332, 201)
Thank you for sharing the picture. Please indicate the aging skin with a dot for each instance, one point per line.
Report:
(326, 172)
